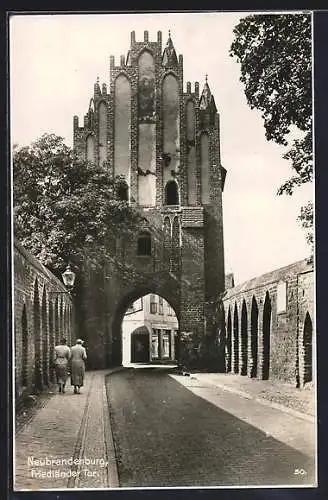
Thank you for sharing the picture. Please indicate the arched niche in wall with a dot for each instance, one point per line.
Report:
(266, 337)
(146, 87)
(254, 338)
(229, 342)
(56, 320)
(52, 340)
(167, 244)
(103, 131)
(176, 249)
(37, 337)
(146, 130)
(90, 148)
(191, 150)
(45, 337)
(205, 165)
(244, 340)
(25, 346)
(171, 125)
(235, 340)
(122, 126)
(307, 349)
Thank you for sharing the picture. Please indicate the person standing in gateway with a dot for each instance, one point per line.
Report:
(78, 357)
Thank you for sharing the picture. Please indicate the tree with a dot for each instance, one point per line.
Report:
(65, 209)
(275, 56)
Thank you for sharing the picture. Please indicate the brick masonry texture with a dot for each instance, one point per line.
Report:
(185, 278)
(41, 318)
(239, 328)
(288, 348)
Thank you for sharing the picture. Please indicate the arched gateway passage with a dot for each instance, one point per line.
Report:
(150, 301)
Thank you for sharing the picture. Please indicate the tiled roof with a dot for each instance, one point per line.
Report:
(281, 274)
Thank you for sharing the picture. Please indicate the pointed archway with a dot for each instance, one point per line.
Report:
(254, 338)
(229, 342)
(266, 337)
(37, 338)
(235, 340)
(24, 377)
(308, 351)
(45, 339)
(244, 340)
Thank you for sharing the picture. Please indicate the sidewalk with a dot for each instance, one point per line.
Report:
(300, 403)
(239, 398)
(68, 442)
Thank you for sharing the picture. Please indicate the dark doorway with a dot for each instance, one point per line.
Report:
(228, 342)
(307, 344)
(254, 335)
(244, 337)
(139, 347)
(235, 341)
(266, 336)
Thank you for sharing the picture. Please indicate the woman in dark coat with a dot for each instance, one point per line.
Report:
(62, 357)
(78, 357)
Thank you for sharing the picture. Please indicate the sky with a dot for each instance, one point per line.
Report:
(55, 61)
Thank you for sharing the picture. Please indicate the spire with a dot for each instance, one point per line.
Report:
(169, 58)
(97, 87)
(206, 96)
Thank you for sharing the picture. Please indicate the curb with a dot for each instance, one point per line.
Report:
(265, 402)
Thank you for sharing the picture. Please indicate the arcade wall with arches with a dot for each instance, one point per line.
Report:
(269, 326)
(42, 314)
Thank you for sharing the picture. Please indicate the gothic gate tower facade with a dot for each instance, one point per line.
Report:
(164, 141)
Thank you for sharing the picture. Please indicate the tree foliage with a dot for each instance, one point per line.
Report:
(275, 54)
(65, 209)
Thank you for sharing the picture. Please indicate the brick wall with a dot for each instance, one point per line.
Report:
(150, 139)
(289, 296)
(41, 318)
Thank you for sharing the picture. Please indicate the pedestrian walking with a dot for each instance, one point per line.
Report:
(61, 359)
(78, 357)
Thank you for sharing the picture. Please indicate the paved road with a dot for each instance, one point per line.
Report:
(165, 435)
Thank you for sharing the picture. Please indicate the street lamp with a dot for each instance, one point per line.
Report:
(68, 277)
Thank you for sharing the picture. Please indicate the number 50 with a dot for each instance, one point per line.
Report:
(299, 472)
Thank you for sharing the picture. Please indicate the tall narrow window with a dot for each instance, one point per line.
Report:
(171, 193)
(153, 304)
(160, 305)
(144, 244)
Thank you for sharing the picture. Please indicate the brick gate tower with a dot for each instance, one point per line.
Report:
(165, 142)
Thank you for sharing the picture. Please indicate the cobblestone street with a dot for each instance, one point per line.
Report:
(168, 430)
(166, 435)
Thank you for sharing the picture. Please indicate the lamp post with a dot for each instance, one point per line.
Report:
(68, 277)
